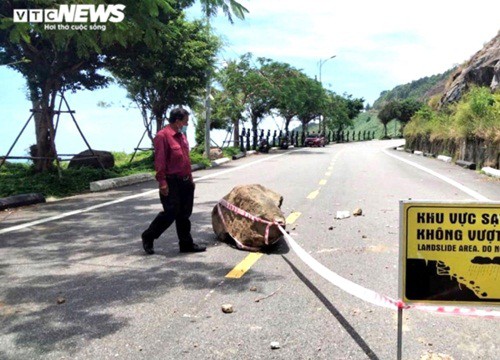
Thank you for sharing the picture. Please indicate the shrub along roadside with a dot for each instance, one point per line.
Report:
(16, 178)
(476, 115)
(468, 130)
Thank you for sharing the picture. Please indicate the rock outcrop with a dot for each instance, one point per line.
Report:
(249, 234)
(215, 153)
(483, 69)
(87, 159)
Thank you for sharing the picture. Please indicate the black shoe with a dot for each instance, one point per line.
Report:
(147, 245)
(192, 248)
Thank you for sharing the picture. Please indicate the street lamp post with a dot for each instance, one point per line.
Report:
(321, 121)
(207, 100)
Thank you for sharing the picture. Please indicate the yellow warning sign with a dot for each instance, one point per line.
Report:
(450, 252)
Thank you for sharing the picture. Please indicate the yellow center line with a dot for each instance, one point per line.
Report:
(328, 173)
(240, 269)
(322, 182)
(313, 194)
(330, 168)
(293, 217)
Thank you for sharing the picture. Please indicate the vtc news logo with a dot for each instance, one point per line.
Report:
(75, 13)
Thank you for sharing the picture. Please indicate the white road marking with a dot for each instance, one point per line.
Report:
(459, 186)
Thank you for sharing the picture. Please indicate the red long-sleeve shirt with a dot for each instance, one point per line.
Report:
(171, 154)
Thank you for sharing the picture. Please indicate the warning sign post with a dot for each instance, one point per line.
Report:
(449, 254)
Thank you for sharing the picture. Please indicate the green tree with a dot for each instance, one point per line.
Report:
(289, 89)
(336, 112)
(310, 110)
(407, 108)
(259, 89)
(218, 118)
(229, 103)
(229, 7)
(389, 111)
(71, 60)
(339, 111)
(249, 88)
(171, 74)
(354, 105)
(399, 110)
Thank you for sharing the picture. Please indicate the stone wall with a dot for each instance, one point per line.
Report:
(476, 150)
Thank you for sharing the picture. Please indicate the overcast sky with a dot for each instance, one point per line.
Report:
(377, 46)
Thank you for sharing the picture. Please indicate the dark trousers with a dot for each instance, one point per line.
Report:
(177, 206)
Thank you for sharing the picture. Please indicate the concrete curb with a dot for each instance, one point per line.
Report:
(220, 161)
(107, 184)
(444, 158)
(21, 200)
(492, 172)
(465, 164)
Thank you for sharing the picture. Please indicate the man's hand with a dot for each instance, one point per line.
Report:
(164, 190)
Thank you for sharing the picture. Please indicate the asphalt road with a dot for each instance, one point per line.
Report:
(76, 284)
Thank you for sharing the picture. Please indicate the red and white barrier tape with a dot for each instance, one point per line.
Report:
(347, 285)
(246, 214)
(337, 280)
(451, 310)
(374, 297)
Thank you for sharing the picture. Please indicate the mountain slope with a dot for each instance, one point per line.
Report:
(422, 89)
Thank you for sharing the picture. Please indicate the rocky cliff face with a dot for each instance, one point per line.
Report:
(483, 69)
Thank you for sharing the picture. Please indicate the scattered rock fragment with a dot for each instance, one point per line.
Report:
(253, 288)
(357, 212)
(60, 300)
(275, 345)
(429, 355)
(227, 308)
(342, 215)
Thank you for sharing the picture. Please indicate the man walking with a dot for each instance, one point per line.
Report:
(173, 173)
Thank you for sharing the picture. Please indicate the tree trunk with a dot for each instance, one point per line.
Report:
(236, 133)
(287, 123)
(44, 130)
(159, 122)
(254, 132)
(159, 117)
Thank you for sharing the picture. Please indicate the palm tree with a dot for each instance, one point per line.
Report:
(229, 7)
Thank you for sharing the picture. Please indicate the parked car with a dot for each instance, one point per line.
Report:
(314, 140)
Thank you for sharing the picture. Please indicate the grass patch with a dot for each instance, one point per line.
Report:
(16, 178)
(230, 151)
(476, 115)
(370, 123)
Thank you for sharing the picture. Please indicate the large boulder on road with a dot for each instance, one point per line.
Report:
(247, 233)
